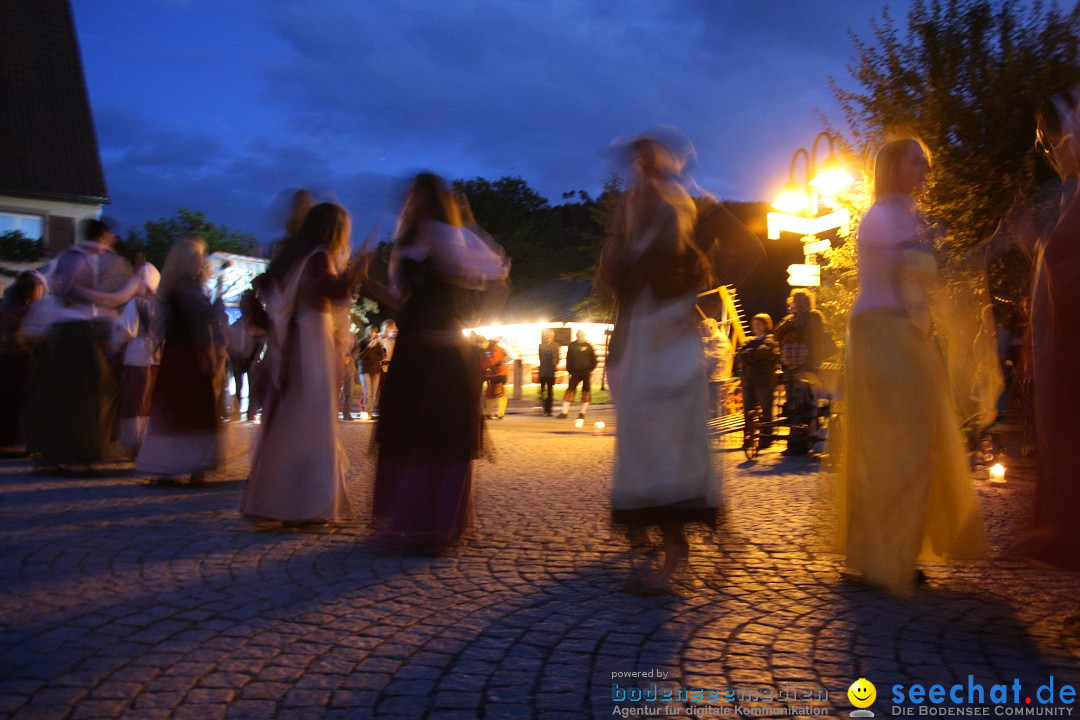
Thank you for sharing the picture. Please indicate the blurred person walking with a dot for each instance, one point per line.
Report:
(350, 359)
(719, 358)
(1055, 307)
(16, 357)
(496, 363)
(183, 435)
(247, 341)
(430, 426)
(663, 467)
(76, 392)
(298, 469)
(138, 331)
(906, 493)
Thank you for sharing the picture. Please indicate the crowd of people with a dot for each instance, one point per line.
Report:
(98, 350)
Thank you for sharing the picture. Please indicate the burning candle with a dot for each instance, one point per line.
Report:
(997, 473)
(579, 423)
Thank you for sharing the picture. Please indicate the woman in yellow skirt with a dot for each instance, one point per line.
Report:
(906, 492)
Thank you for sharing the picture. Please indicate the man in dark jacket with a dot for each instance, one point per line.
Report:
(580, 362)
(549, 359)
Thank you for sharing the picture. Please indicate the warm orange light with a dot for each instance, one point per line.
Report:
(997, 473)
(794, 200)
(832, 179)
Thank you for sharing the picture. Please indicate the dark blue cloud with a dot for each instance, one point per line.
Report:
(219, 106)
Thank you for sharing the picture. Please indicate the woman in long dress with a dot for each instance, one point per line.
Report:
(663, 467)
(183, 435)
(1056, 345)
(430, 423)
(906, 490)
(298, 471)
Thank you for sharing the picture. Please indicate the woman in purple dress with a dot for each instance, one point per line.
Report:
(430, 427)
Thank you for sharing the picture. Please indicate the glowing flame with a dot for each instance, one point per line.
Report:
(997, 473)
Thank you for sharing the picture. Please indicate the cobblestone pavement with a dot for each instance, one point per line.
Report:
(123, 600)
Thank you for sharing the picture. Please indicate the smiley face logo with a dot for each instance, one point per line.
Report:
(862, 693)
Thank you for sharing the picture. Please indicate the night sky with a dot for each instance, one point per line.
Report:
(219, 105)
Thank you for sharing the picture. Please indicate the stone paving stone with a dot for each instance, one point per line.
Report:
(244, 709)
(143, 603)
(99, 709)
(202, 711)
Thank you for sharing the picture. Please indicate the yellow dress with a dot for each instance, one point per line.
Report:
(906, 491)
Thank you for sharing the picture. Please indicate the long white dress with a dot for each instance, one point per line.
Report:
(298, 472)
(663, 467)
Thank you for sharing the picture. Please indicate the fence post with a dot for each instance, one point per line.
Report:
(519, 379)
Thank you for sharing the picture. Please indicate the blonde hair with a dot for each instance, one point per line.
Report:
(186, 260)
(887, 163)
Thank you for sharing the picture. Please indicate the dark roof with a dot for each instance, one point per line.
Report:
(551, 302)
(48, 147)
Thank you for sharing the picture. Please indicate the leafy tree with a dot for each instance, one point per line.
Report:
(544, 242)
(966, 76)
(16, 246)
(156, 236)
(600, 300)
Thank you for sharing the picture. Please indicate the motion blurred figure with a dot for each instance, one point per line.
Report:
(1055, 330)
(183, 435)
(430, 423)
(663, 467)
(138, 330)
(719, 359)
(298, 471)
(76, 392)
(906, 492)
(16, 356)
(496, 372)
(247, 340)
